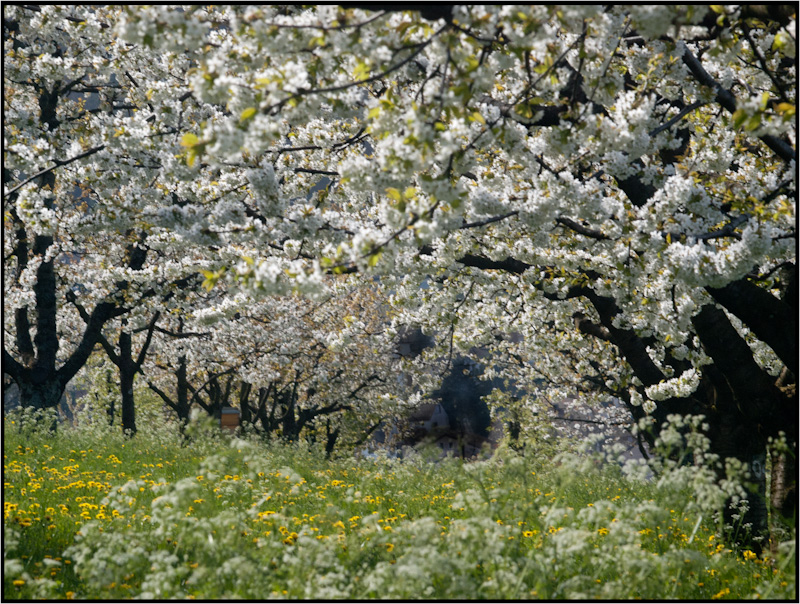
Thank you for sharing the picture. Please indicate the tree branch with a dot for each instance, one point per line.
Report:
(12, 367)
(182, 334)
(770, 319)
(760, 56)
(163, 396)
(683, 112)
(58, 164)
(480, 223)
(725, 98)
(585, 231)
(102, 313)
(305, 92)
(110, 351)
(753, 390)
(148, 340)
(586, 326)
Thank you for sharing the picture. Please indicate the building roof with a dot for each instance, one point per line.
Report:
(423, 412)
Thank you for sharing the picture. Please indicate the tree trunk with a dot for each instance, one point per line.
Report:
(289, 420)
(330, 442)
(39, 395)
(745, 409)
(783, 496)
(771, 319)
(127, 372)
(182, 392)
(740, 401)
(244, 402)
(731, 438)
(111, 411)
(128, 407)
(180, 404)
(261, 412)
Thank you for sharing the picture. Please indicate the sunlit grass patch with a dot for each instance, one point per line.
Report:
(95, 515)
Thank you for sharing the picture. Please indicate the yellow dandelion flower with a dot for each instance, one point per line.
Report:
(721, 594)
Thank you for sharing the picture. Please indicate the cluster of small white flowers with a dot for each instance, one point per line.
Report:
(264, 188)
(654, 20)
(628, 124)
(34, 206)
(678, 387)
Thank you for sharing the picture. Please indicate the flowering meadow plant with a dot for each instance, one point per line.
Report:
(90, 514)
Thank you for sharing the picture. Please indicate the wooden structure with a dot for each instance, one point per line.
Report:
(229, 418)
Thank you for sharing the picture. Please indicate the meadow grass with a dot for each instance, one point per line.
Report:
(90, 514)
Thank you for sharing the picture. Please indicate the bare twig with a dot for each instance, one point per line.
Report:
(763, 62)
(725, 98)
(578, 228)
(480, 223)
(58, 164)
(683, 112)
(341, 87)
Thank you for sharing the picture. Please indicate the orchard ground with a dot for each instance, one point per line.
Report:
(90, 514)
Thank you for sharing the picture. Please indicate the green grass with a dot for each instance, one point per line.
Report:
(89, 514)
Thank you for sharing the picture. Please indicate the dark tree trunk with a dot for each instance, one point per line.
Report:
(331, 437)
(741, 402)
(244, 402)
(182, 392)
(127, 373)
(783, 496)
(46, 338)
(127, 367)
(180, 403)
(40, 395)
(40, 383)
(731, 438)
(261, 413)
(770, 318)
(111, 411)
(289, 419)
(746, 409)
